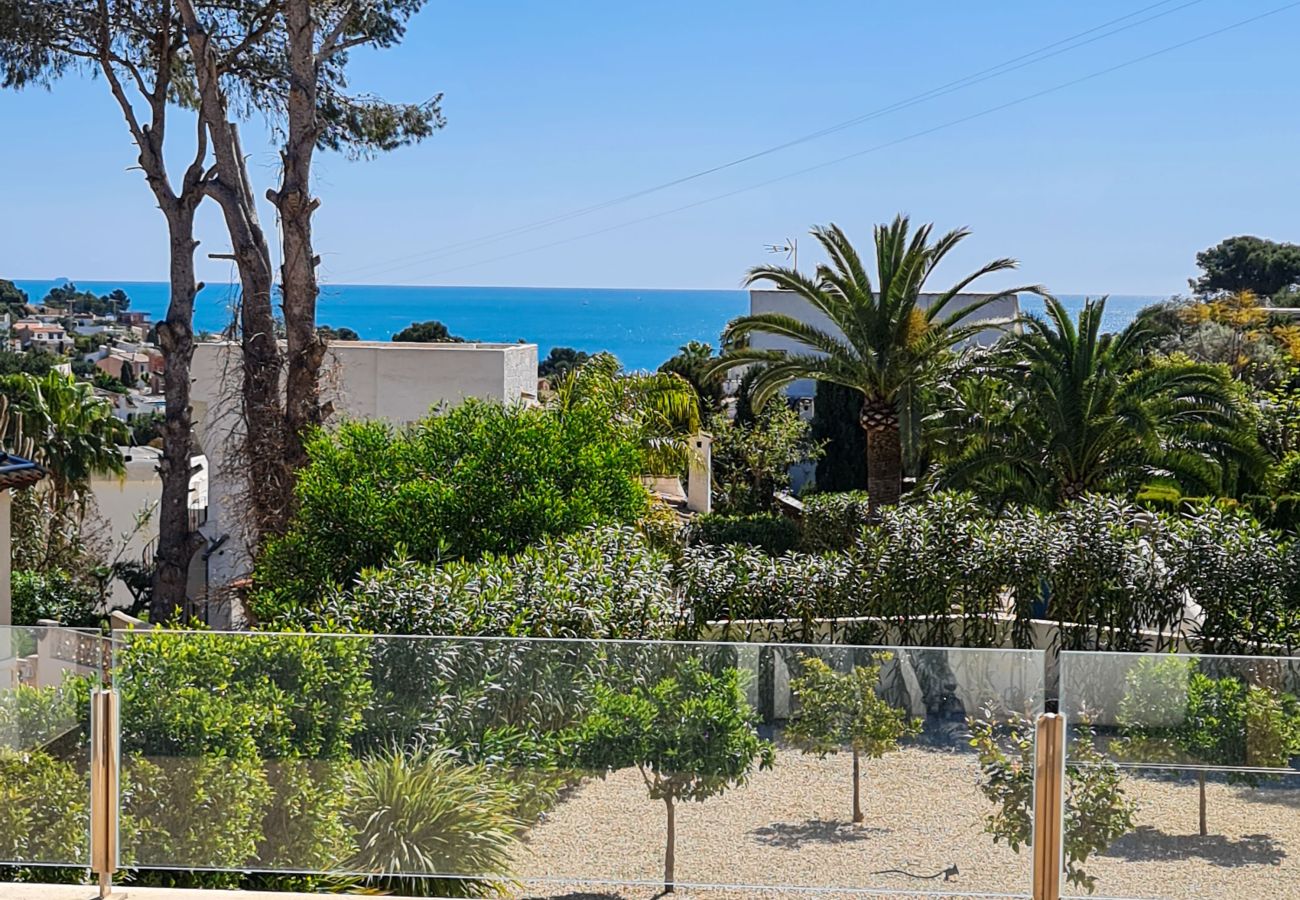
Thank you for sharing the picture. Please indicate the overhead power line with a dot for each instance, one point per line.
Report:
(1241, 23)
(1033, 57)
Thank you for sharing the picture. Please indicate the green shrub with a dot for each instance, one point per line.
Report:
(44, 811)
(752, 460)
(599, 583)
(235, 748)
(833, 521)
(480, 478)
(1097, 811)
(773, 534)
(54, 595)
(31, 717)
(425, 813)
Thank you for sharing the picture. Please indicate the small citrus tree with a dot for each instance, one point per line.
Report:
(1172, 713)
(692, 736)
(838, 710)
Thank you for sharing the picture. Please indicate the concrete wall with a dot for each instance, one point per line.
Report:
(790, 304)
(397, 382)
(119, 502)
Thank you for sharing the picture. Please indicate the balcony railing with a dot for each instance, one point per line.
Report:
(562, 764)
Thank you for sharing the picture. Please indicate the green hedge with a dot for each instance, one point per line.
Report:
(773, 534)
(833, 521)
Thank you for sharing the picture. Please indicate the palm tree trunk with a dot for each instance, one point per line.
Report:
(879, 419)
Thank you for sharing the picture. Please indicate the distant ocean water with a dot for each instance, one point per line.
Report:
(641, 327)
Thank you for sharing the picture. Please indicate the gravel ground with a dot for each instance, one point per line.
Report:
(790, 827)
(1252, 850)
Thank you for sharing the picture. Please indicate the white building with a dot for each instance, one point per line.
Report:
(127, 508)
(788, 303)
(397, 382)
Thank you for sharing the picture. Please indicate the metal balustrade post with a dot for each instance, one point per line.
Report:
(103, 788)
(1049, 806)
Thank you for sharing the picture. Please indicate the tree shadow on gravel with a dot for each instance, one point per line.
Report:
(577, 895)
(793, 835)
(1146, 844)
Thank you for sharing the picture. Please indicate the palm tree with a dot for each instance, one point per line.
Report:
(74, 433)
(886, 341)
(660, 408)
(693, 362)
(1063, 410)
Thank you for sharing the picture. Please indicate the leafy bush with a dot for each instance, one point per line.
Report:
(31, 717)
(44, 808)
(773, 534)
(1097, 812)
(751, 461)
(833, 521)
(236, 744)
(1172, 713)
(480, 478)
(425, 813)
(54, 595)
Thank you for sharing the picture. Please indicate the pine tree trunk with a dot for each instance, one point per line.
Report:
(306, 350)
(880, 421)
(670, 851)
(267, 478)
(1204, 826)
(176, 543)
(857, 781)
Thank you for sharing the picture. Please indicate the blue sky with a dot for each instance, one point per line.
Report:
(1108, 186)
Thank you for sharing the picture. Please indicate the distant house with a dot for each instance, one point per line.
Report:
(15, 472)
(31, 334)
(133, 318)
(138, 363)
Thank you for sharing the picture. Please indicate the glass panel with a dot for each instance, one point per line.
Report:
(1203, 754)
(561, 763)
(46, 676)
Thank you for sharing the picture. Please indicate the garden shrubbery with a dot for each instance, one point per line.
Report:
(479, 478)
(773, 534)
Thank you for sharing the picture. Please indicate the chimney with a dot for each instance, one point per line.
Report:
(699, 485)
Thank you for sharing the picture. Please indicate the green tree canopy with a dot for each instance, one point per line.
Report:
(561, 361)
(691, 736)
(886, 340)
(1247, 263)
(430, 332)
(12, 299)
(343, 333)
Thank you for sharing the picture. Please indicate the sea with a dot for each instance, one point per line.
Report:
(640, 327)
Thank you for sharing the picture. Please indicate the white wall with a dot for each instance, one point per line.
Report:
(397, 382)
(120, 501)
(791, 304)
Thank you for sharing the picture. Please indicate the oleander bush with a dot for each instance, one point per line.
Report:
(833, 521)
(772, 533)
